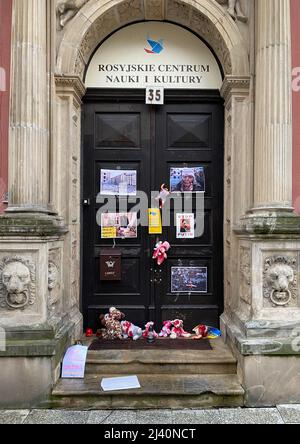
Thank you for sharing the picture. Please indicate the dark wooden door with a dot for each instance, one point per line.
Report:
(120, 132)
(190, 135)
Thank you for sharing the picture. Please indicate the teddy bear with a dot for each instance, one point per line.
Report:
(130, 330)
(148, 326)
(178, 331)
(112, 324)
(166, 330)
(201, 331)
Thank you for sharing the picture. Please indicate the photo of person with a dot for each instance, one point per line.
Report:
(119, 225)
(118, 183)
(187, 180)
(189, 280)
(185, 226)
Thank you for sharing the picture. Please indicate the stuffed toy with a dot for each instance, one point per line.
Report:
(166, 330)
(146, 331)
(178, 331)
(112, 324)
(163, 195)
(160, 252)
(130, 330)
(201, 331)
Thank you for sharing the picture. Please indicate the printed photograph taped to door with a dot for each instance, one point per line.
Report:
(118, 183)
(187, 180)
(119, 226)
(189, 279)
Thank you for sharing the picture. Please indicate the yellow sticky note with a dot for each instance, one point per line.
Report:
(109, 232)
(155, 223)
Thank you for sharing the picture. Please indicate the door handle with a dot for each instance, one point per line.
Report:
(156, 276)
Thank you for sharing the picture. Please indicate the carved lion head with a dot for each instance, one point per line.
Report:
(17, 282)
(280, 280)
(280, 276)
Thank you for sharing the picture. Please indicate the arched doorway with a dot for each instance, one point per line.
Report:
(89, 28)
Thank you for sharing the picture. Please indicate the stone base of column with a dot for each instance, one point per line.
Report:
(272, 209)
(261, 322)
(269, 222)
(34, 355)
(39, 306)
(269, 367)
(29, 209)
(22, 224)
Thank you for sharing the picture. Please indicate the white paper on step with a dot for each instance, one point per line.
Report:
(123, 383)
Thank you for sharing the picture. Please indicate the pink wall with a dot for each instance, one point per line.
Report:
(295, 6)
(5, 41)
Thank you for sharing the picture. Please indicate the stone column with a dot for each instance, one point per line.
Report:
(273, 135)
(29, 120)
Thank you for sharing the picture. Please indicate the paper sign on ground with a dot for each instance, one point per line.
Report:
(74, 362)
(123, 383)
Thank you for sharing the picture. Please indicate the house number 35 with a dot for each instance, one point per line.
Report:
(154, 96)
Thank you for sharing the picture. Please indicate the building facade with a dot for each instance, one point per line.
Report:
(64, 130)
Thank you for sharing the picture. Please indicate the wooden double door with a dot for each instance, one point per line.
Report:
(121, 133)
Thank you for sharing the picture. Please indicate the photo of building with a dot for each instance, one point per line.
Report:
(74, 124)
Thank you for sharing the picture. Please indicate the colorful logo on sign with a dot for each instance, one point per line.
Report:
(156, 46)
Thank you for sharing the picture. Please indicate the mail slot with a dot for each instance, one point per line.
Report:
(110, 265)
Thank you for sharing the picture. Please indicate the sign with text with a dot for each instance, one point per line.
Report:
(154, 54)
(74, 362)
(154, 95)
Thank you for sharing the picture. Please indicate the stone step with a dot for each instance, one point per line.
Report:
(217, 361)
(158, 391)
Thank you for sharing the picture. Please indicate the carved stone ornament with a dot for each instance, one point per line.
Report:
(53, 275)
(234, 9)
(67, 9)
(17, 283)
(245, 275)
(280, 280)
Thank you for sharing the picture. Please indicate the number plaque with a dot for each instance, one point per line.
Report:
(154, 95)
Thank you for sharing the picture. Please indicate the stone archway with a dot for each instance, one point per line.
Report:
(96, 20)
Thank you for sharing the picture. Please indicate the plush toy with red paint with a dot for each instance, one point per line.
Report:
(166, 330)
(178, 331)
(148, 326)
(130, 330)
(160, 252)
(163, 195)
(201, 331)
(112, 324)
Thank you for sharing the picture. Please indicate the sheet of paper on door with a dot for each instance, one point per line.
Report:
(185, 226)
(119, 225)
(155, 222)
(187, 180)
(109, 232)
(189, 279)
(118, 182)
